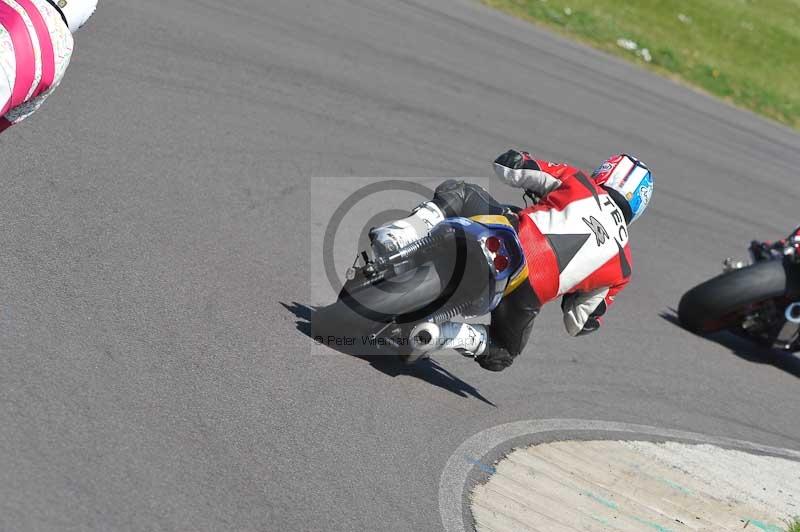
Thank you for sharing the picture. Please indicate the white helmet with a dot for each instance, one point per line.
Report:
(76, 12)
(630, 180)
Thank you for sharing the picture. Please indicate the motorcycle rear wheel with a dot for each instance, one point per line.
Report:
(441, 278)
(368, 310)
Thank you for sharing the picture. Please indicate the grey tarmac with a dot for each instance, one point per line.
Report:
(155, 261)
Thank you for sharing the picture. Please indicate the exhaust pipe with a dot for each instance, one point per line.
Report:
(425, 337)
(469, 340)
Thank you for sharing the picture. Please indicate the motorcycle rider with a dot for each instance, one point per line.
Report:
(35, 50)
(575, 241)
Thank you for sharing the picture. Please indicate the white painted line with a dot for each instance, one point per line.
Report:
(468, 455)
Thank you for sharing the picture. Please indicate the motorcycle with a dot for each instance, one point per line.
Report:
(395, 303)
(759, 300)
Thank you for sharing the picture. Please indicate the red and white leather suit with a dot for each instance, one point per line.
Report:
(575, 240)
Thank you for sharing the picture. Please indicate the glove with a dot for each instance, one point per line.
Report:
(519, 170)
(592, 325)
(511, 159)
(495, 358)
(575, 307)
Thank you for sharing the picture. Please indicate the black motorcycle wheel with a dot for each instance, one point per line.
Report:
(340, 327)
(352, 318)
(720, 302)
(337, 325)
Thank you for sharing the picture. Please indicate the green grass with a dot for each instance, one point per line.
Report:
(794, 526)
(745, 51)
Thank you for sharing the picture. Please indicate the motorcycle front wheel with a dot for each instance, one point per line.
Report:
(723, 301)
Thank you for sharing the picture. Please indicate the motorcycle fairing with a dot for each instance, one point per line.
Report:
(480, 229)
(520, 275)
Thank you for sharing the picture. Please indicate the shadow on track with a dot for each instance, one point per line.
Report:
(745, 349)
(427, 370)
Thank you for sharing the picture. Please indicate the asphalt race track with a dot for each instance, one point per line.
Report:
(154, 262)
